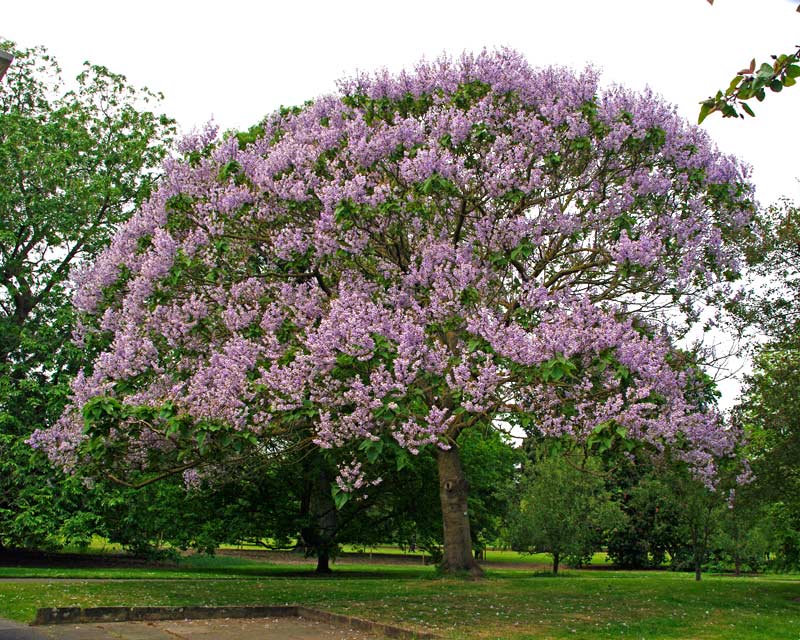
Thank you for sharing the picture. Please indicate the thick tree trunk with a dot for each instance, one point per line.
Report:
(556, 562)
(453, 491)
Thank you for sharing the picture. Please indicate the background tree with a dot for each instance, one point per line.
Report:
(563, 508)
(769, 411)
(744, 536)
(651, 532)
(419, 256)
(74, 163)
(770, 414)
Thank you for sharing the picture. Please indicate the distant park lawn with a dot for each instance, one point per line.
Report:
(508, 603)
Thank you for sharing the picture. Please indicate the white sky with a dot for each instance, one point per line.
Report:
(235, 61)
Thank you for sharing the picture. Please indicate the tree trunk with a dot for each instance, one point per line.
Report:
(556, 561)
(453, 491)
(323, 561)
(698, 561)
(320, 534)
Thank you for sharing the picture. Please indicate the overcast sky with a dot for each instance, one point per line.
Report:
(235, 61)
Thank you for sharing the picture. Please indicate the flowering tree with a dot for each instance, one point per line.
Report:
(471, 244)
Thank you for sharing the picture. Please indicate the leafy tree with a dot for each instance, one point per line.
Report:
(697, 523)
(768, 410)
(74, 163)
(651, 531)
(770, 415)
(490, 466)
(420, 256)
(752, 82)
(564, 510)
(771, 305)
(745, 533)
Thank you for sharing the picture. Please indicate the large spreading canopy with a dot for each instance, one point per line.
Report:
(472, 242)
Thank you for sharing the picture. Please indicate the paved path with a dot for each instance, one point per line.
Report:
(10, 630)
(222, 629)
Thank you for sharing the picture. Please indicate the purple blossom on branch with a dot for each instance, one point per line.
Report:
(419, 254)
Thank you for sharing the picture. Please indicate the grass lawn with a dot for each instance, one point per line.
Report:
(506, 604)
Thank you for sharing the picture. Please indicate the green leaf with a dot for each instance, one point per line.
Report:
(776, 85)
(473, 344)
(372, 449)
(340, 498)
(793, 71)
(765, 70)
(402, 459)
(748, 110)
(229, 169)
(734, 83)
(705, 109)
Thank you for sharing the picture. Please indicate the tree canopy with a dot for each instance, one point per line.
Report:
(469, 244)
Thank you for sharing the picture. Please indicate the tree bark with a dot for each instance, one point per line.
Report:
(556, 562)
(323, 561)
(453, 491)
(319, 536)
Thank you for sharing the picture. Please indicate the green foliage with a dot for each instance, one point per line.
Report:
(234, 508)
(751, 83)
(768, 411)
(39, 507)
(490, 465)
(745, 534)
(651, 532)
(563, 509)
(770, 414)
(74, 162)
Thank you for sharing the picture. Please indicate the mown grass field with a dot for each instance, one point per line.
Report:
(508, 603)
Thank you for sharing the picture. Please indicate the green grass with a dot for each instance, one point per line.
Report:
(508, 603)
(504, 556)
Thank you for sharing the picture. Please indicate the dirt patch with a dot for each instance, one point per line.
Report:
(204, 620)
(224, 629)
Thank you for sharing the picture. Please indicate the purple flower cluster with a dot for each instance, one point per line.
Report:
(408, 258)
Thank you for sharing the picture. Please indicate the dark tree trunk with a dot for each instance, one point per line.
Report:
(323, 561)
(453, 491)
(320, 534)
(556, 562)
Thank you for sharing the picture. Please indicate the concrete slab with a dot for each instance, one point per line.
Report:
(11, 630)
